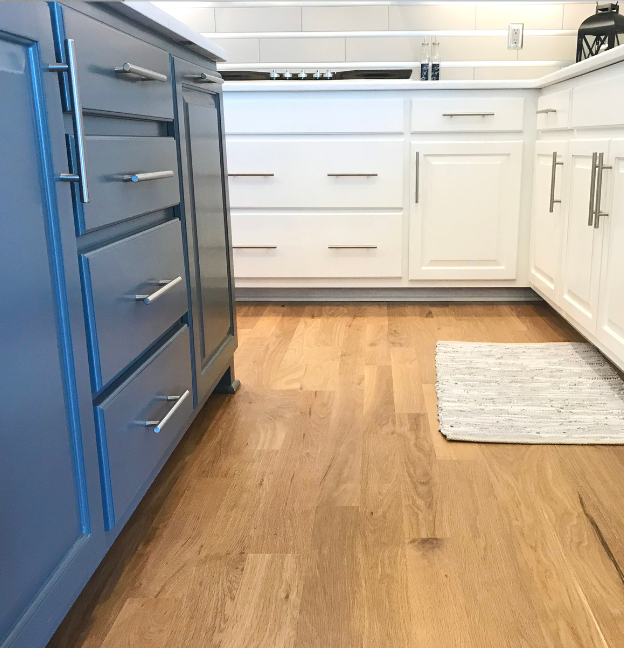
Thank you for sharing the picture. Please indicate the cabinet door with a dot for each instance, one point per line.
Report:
(206, 219)
(546, 217)
(465, 203)
(582, 243)
(48, 462)
(611, 302)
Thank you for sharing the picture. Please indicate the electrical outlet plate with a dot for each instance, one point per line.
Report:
(515, 36)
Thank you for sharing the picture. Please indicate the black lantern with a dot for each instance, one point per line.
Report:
(600, 32)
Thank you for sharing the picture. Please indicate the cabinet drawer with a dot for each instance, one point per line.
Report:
(315, 173)
(132, 449)
(598, 104)
(317, 245)
(461, 114)
(553, 110)
(101, 49)
(122, 327)
(112, 163)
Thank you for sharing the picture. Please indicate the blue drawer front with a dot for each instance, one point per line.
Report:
(130, 450)
(122, 327)
(111, 161)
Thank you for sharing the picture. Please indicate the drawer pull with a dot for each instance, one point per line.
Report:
(205, 78)
(143, 177)
(545, 111)
(159, 425)
(254, 247)
(553, 173)
(469, 114)
(166, 286)
(251, 175)
(144, 73)
(352, 247)
(352, 175)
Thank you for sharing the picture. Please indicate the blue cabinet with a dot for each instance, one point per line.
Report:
(49, 495)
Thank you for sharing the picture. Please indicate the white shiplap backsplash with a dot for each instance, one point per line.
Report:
(307, 34)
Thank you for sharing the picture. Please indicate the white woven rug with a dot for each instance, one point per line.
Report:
(528, 393)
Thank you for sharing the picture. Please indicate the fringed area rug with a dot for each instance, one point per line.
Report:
(528, 393)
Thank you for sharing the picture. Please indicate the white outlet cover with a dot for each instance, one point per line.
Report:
(515, 36)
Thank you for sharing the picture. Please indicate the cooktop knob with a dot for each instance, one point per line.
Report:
(274, 75)
(317, 74)
(302, 75)
(329, 74)
(287, 74)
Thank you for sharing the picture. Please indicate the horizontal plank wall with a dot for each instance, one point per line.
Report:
(308, 34)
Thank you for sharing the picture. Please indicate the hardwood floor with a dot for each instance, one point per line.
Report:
(320, 507)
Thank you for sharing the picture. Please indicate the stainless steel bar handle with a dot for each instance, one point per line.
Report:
(159, 425)
(592, 189)
(417, 177)
(601, 167)
(553, 177)
(251, 175)
(254, 247)
(166, 287)
(545, 111)
(74, 91)
(352, 175)
(143, 177)
(468, 114)
(352, 247)
(205, 78)
(144, 73)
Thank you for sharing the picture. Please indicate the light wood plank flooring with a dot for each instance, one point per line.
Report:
(320, 507)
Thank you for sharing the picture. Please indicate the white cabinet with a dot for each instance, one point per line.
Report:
(611, 302)
(582, 242)
(465, 201)
(546, 220)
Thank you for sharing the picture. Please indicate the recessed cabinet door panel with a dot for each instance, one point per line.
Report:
(582, 243)
(611, 306)
(465, 205)
(546, 220)
(208, 218)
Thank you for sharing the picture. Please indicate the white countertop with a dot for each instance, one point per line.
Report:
(577, 69)
(151, 16)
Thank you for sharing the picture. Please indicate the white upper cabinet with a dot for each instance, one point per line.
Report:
(315, 173)
(465, 201)
(546, 221)
(611, 304)
(582, 242)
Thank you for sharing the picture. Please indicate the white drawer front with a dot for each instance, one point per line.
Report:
(317, 245)
(598, 104)
(553, 110)
(307, 173)
(300, 114)
(461, 114)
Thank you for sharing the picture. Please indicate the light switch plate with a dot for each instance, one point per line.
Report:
(515, 36)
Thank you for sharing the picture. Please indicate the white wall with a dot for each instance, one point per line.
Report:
(247, 31)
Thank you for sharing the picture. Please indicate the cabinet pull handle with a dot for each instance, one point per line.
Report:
(601, 167)
(468, 114)
(204, 78)
(144, 73)
(70, 67)
(553, 175)
(592, 189)
(352, 247)
(143, 177)
(166, 287)
(254, 247)
(159, 425)
(251, 175)
(417, 177)
(545, 111)
(352, 175)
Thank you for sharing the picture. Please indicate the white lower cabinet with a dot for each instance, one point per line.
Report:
(547, 220)
(582, 242)
(465, 204)
(611, 302)
(321, 245)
